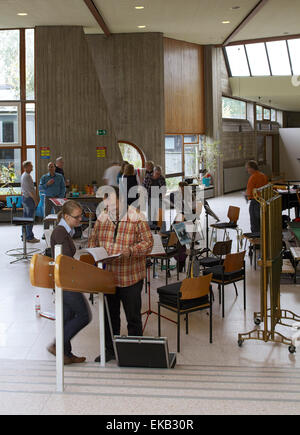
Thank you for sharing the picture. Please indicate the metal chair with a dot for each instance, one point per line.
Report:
(220, 250)
(192, 294)
(233, 216)
(231, 271)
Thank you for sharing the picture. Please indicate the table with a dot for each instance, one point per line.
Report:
(289, 200)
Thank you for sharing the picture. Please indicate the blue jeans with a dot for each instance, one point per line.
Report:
(77, 315)
(28, 211)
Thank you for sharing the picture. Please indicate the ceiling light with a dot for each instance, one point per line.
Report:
(22, 14)
(141, 27)
(225, 22)
(139, 7)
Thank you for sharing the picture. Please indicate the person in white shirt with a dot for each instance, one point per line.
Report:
(29, 198)
(110, 176)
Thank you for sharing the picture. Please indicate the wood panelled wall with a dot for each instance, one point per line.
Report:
(71, 105)
(130, 70)
(184, 87)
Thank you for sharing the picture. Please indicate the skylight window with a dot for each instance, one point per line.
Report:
(258, 59)
(294, 49)
(279, 58)
(238, 61)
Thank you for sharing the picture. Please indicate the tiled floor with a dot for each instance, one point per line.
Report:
(209, 378)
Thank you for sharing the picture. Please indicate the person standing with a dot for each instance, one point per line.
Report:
(29, 199)
(76, 311)
(110, 176)
(125, 232)
(128, 181)
(149, 166)
(59, 166)
(156, 192)
(257, 179)
(52, 185)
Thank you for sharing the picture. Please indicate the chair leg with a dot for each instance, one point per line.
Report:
(159, 331)
(220, 294)
(210, 318)
(236, 292)
(187, 323)
(223, 302)
(244, 285)
(178, 331)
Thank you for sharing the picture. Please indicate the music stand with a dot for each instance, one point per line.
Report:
(149, 311)
(208, 212)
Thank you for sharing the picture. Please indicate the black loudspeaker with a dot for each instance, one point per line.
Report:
(151, 352)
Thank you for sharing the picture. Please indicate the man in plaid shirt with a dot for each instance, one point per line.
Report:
(124, 232)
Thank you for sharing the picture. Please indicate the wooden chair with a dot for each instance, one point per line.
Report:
(220, 250)
(233, 216)
(231, 271)
(170, 246)
(192, 294)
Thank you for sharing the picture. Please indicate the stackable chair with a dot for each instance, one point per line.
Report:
(192, 294)
(170, 246)
(233, 216)
(220, 250)
(231, 271)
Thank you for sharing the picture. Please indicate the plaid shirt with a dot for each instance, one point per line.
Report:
(133, 232)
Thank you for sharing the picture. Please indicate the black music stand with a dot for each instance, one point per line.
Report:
(208, 212)
(148, 291)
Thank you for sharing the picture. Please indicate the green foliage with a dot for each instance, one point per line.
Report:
(7, 176)
(211, 153)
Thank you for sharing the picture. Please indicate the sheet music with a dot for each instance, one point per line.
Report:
(157, 248)
(99, 254)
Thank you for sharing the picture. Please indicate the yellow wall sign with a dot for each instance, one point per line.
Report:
(45, 152)
(101, 152)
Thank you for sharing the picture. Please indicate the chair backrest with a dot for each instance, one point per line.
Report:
(222, 248)
(234, 262)
(192, 288)
(233, 213)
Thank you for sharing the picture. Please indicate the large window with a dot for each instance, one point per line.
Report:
(182, 157)
(277, 58)
(132, 154)
(233, 109)
(17, 106)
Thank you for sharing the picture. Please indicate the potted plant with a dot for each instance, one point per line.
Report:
(209, 155)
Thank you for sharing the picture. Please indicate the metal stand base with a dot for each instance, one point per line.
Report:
(22, 253)
(271, 336)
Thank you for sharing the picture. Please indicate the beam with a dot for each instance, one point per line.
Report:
(245, 21)
(98, 17)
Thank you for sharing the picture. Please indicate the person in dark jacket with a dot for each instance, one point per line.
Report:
(128, 181)
(76, 311)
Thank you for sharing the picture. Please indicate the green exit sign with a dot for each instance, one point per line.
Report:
(101, 132)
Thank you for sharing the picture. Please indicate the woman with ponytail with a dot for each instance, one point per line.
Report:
(77, 313)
